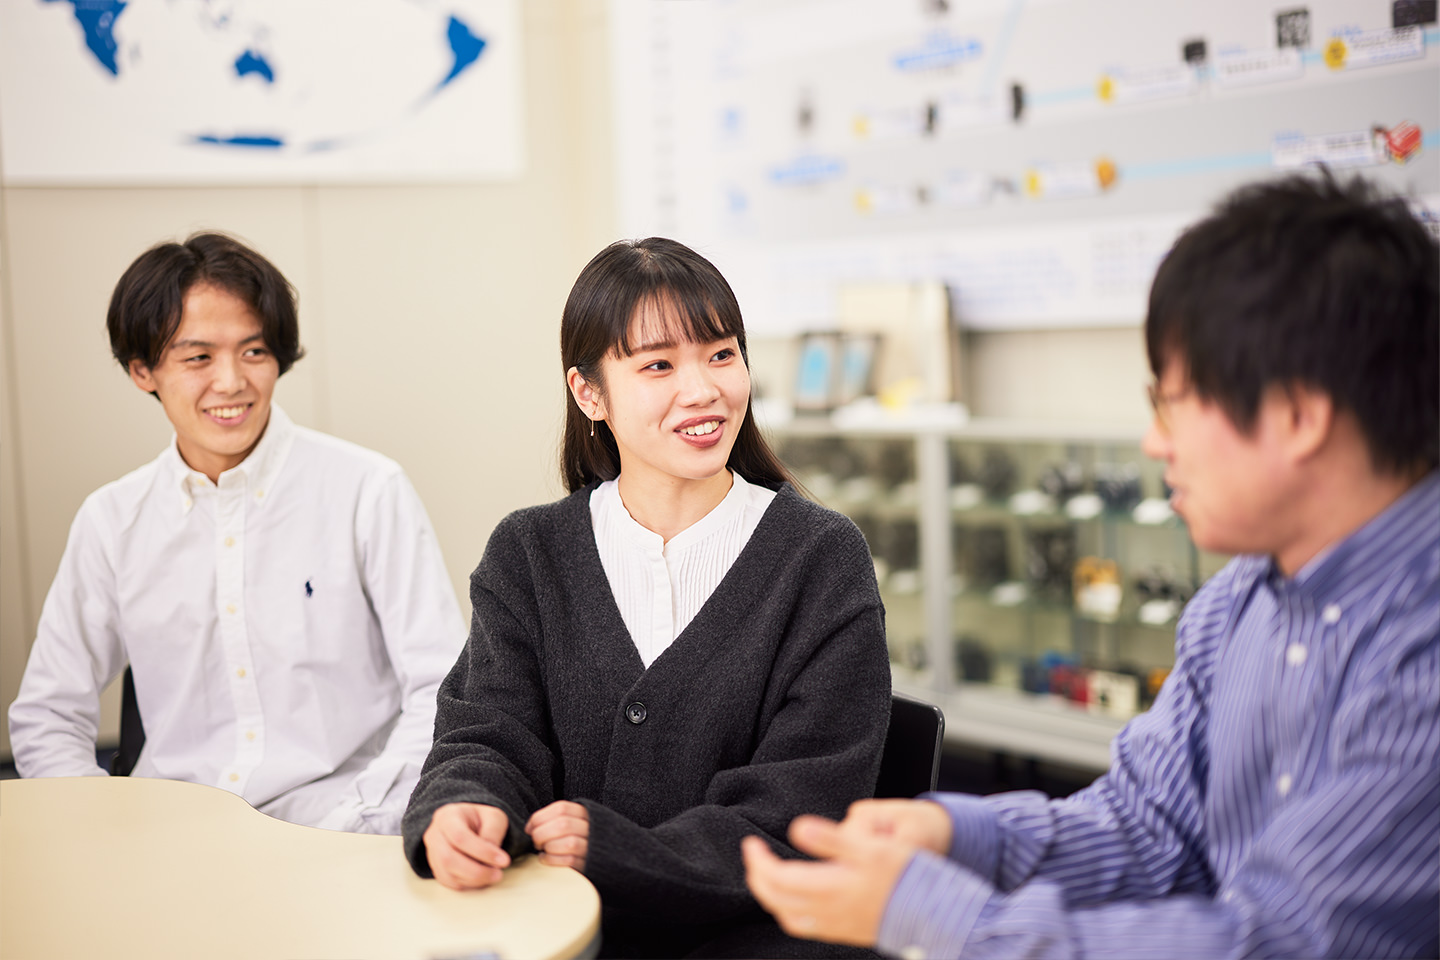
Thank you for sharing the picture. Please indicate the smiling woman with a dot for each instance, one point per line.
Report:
(681, 653)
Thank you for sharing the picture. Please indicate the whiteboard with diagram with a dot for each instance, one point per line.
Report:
(1039, 156)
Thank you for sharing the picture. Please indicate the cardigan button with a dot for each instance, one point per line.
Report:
(635, 713)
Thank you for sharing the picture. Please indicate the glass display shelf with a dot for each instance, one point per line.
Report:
(1032, 573)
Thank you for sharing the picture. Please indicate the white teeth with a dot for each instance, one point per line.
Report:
(226, 413)
(701, 429)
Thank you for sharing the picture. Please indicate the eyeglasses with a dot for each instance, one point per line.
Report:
(1160, 403)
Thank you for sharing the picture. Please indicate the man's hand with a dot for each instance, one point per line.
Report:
(917, 823)
(842, 898)
(561, 832)
(463, 845)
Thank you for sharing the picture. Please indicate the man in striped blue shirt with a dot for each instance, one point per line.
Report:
(1282, 797)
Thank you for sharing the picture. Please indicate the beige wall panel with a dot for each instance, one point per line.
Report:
(592, 119)
(1092, 375)
(441, 315)
(1095, 376)
(442, 308)
(14, 599)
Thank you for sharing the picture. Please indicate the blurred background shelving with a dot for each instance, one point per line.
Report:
(1032, 572)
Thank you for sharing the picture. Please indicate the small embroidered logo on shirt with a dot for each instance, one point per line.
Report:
(309, 590)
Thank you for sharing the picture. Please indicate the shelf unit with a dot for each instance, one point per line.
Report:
(993, 715)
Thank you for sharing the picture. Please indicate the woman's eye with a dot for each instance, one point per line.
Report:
(197, 358)
(725, 354)
(657, 365)
(257, 352)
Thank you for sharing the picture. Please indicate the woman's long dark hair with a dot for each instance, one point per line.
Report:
(610, 292)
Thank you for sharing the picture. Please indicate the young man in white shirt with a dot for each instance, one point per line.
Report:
(278, 593)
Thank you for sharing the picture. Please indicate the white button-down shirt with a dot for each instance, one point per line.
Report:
(287, 626)
(660, 586)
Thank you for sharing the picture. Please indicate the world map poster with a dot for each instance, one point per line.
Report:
(259, 91)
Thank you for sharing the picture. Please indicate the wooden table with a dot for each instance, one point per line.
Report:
(130, 867)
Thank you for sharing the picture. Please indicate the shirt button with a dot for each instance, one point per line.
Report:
(229, 541)
(912, 953)
(635, 713)
(1282, 785)
(1331, 613)
(249, 734)
(240, 673)
(1296, 654)
(259, 494)
(230, 608)
(234, 778)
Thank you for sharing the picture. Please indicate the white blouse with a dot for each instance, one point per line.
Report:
(659, 586)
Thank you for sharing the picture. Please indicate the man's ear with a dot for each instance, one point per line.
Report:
(586, 396)
(140, 375)
(1306, 419)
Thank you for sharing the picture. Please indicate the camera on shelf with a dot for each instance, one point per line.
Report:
(997, 474)
(1049, 563)
(1158, 584)
(972, 660)
(981, 554)
(895, 463)
(960, 472)
(842, 460)
(1062, 481)
(1119, 693)
(1161, 596)
(1097, 588)
(1118, 486)
(1035, 674)
(901, 543)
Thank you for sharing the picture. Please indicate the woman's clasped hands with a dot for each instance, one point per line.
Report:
(465, 841)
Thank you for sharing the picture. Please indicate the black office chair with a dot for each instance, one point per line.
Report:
(132, 730)
(910, 763)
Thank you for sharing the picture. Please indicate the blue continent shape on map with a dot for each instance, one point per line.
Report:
(255, 140)
(252, 62)
(97, 18)
(464, 45)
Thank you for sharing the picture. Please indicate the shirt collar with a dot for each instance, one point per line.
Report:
(613, 516)
(257, 472)
(1388, 543)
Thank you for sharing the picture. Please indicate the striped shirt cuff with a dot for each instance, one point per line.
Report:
(975, 831)
(932, 909)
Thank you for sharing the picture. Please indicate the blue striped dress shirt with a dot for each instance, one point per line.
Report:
(1281, 798)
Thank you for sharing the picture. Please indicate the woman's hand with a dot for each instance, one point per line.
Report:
(561, 832)
(463, 845)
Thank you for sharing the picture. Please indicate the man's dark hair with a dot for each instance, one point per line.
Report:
(1308, 281)
(146, 305)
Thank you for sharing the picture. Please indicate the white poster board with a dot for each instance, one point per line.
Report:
(259, 91)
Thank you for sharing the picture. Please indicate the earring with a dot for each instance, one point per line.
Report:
(592, 428)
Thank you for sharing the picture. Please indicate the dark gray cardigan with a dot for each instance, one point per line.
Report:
(771, 703)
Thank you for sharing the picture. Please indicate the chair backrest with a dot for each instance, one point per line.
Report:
(910, 764)
(132, 730)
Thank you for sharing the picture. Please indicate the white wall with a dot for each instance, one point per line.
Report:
(431, 316)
